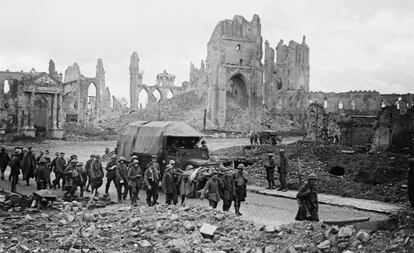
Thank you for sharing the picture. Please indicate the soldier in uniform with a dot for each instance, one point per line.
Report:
(88, 171)
(73, 175)
(29, 165)
(308, 200)
(184, 184)
(227, 189)
(283, 170)
(168, 185)
(111, 173)
(15, 165)
(240, 182)
(151, 181)
(134, 181)
(122, 176)
(270, 171)
(211, 190)
(41, 174)
(60, 164)
(83, 174)
(96, 174)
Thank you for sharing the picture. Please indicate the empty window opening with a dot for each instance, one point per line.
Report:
(353, 105)
(325, 104)
(6, 87)
(241, 61)
(340, 105)
(238, 47)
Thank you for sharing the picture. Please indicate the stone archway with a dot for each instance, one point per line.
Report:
(142, 98)
(237, 91)
(40, 115)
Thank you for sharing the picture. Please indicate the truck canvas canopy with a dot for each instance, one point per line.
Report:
(147, 136)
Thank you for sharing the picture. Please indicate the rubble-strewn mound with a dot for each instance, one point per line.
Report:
(379, 176)
(170, 229)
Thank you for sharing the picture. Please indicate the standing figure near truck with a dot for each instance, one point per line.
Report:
(283, 170)
(59, 167)
(185, 184)
(29, 165)
(240, 182)
(73, 175)
(151, 180)
(134, 182)
(169, 185)
(211, 190)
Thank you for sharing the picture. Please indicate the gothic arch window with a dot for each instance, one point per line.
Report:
(340, 105)
(325, 104)
(353, 105)
(397, 103)
(238, 47)
(383, 104)
(6, 88)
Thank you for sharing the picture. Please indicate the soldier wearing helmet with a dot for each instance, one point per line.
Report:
(111, 172)
(41, 174)
(308, 200)
(122, 177)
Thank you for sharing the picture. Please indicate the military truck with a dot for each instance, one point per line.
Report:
(169, 140)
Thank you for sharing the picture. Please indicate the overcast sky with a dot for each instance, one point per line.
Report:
(354, 44)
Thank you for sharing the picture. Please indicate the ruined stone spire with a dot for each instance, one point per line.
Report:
(100, 71)
(52, 68)
(134, 63)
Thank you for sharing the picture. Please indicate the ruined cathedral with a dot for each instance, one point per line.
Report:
(234, 75)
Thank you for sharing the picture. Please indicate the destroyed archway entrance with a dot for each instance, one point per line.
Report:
(237, 91)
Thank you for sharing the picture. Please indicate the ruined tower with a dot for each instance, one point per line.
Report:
(135, 80)
(52, 68)
(286, 81)
(100, 76)
(235, 74)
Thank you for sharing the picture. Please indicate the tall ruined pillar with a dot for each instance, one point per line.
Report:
(54, 111)
(32, 99)
(134, 80)
(100, 76)
(269, 60)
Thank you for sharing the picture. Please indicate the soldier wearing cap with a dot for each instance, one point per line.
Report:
(122, 177)
(308, 200)
(240, 182)
(41, 174)
(152, 178)
(59, 168)
(283, 170)
(15, 165)
(83, 173)
(270, 171)
(88, 171)
(111, 168)
(96, 174)
(211, 190)
(29, 165)
(134, 181)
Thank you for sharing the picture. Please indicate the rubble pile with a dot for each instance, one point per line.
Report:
(126, 229)
(379, 176)
(187, 107)
(13, 201)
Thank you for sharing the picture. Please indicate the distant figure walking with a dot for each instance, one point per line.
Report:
(283, 170)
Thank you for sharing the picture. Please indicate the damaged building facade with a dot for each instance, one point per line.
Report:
(143, 95)
(39, 103)
(31, 103)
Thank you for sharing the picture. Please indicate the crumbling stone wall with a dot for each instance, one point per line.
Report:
(357, 130)
(392, 130)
